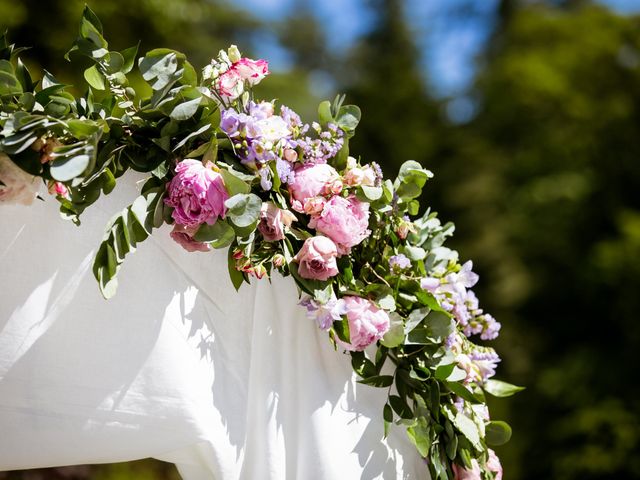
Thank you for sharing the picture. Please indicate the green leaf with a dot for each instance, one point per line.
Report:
(415, 317)
(237, 277)
(498, 388)
(467, 427)
(185, 110)
(387, 414)
(369, 194)
(497, 433)
(462, 391)
(439, 325)
(24, 77)
(244, 209)
(379, 381)
(66, 168)
(395, 334)
(341, 327)
(324, 112)
(160, 67)
(220, 234)
(348, 117)
(415, 253)
(362, 365)
(400, 407)
(129, 56)
(82, 128)
(420, 436)
(233, 183)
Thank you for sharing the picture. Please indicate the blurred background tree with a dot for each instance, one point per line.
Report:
(536, 161)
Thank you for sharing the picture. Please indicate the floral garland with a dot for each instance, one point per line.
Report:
(229, 171)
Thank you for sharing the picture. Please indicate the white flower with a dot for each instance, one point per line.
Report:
(16, 186)
(273, 129)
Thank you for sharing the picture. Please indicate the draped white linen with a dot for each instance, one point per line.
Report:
(177, 366)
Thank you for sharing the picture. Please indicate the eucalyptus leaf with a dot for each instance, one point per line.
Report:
(497, 433)
(244, 209)
(220, 234)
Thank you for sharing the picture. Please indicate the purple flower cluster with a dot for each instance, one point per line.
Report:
(326, 146)
(453, 294)
(485, 360)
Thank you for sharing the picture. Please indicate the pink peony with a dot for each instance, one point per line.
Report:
(311, 181)
(197, 194)
(16, 185)
(494, 465)
(253, 71)
(317, 258)
(344, 220)
(184, 236)
(367, 323)
(273, 221)
(461, 473)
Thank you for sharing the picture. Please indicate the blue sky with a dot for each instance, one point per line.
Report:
(449, 38)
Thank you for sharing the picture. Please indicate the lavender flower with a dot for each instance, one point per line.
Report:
(399, 263)
(324, 314)
(485, 360)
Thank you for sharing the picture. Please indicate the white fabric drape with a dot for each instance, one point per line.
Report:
(177, 366)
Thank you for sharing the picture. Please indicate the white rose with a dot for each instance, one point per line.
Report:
(16, 186)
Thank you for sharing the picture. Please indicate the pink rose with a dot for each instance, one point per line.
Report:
(494, 465)
(311, 181)
(253, 71)
(344, 220)
(273, 221)
(367, 323)
(197, 194)
(461, 473)
(317, 258)
(16, 185)
(290, 155)
(184, 236)
(230, 84)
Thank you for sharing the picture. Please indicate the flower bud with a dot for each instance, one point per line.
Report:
(278, 260)
(234, 54)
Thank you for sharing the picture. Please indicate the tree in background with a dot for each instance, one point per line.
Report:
(543, 185)
(382, 76)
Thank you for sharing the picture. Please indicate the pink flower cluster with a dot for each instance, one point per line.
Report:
(315, 190)
(197, 195)
(230, 84)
